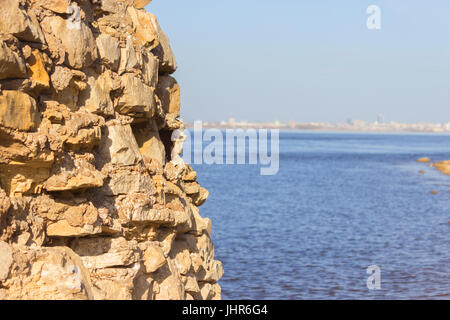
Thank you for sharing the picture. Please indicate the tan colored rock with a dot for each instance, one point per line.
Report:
(170, 284)
(84, 139)
(181, 257)
(113, 262)
(172, 122)
(210, 291)
(12, 65)
(97, 96)
(200, 224)
(173, 172)
(153, 259)
(94, 180)
(150, 144)
(115, 6)
(79, 174)
(150, 69)
(86, 127)
(110, 259)
(141, 3)
(40, 273)
(74, 216)
(200, 197)
(137, 97)
(96, 246)
(81, 130)
(6, 259)
(168, 92)
(191, 188)
(119, 146)
(18, 111)
(443, 166)
(5, 204)
(139, 208)
(217, 292)
(62, 228)
(146, 29)
(21, 184)
(424, 160)
(23, 25)
(202, 256)
(37, 70)
(124, 183)
(75, 39)
(214, 273)
(191, 285)
(189, 174)
(25, 177)
(61, 78)
(166, 238)
(117, 283)
(189, 296)
(130, 57)
(109, 51)
(23, 226)
(67, 84)
(58, 6)
(206, 291)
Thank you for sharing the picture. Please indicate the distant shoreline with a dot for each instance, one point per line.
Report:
(325, 130)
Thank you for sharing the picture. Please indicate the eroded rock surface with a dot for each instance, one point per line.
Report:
(91, 204)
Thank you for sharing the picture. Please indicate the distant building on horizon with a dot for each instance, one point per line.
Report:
(359, 123)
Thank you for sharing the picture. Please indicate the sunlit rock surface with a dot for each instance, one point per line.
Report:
(91, 204)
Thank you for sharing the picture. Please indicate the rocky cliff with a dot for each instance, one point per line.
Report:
(94, 200)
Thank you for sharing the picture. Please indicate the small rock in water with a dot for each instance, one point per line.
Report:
(424, 160)
(443, 166)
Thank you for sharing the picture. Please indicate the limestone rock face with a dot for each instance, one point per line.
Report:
(18, 111)
(91, 205)
(75, 39)
(137, 99)
(18, 22)
(12, 65)
(58, 6)
(168, 91)
(37, 272)
(150, 144)
(146, 29)
(120, 146)
(38, 73)
(97, 96)
(109, 50)
(140, 3)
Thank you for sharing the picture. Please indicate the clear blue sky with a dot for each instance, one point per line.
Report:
(310, 60)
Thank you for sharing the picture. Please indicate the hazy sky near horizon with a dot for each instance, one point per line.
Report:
(310, 60)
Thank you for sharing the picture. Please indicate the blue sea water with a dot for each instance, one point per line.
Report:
(339, 203)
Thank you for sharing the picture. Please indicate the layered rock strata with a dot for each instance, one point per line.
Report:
(91, 204)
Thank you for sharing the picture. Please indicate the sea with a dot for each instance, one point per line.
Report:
(347, 216)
